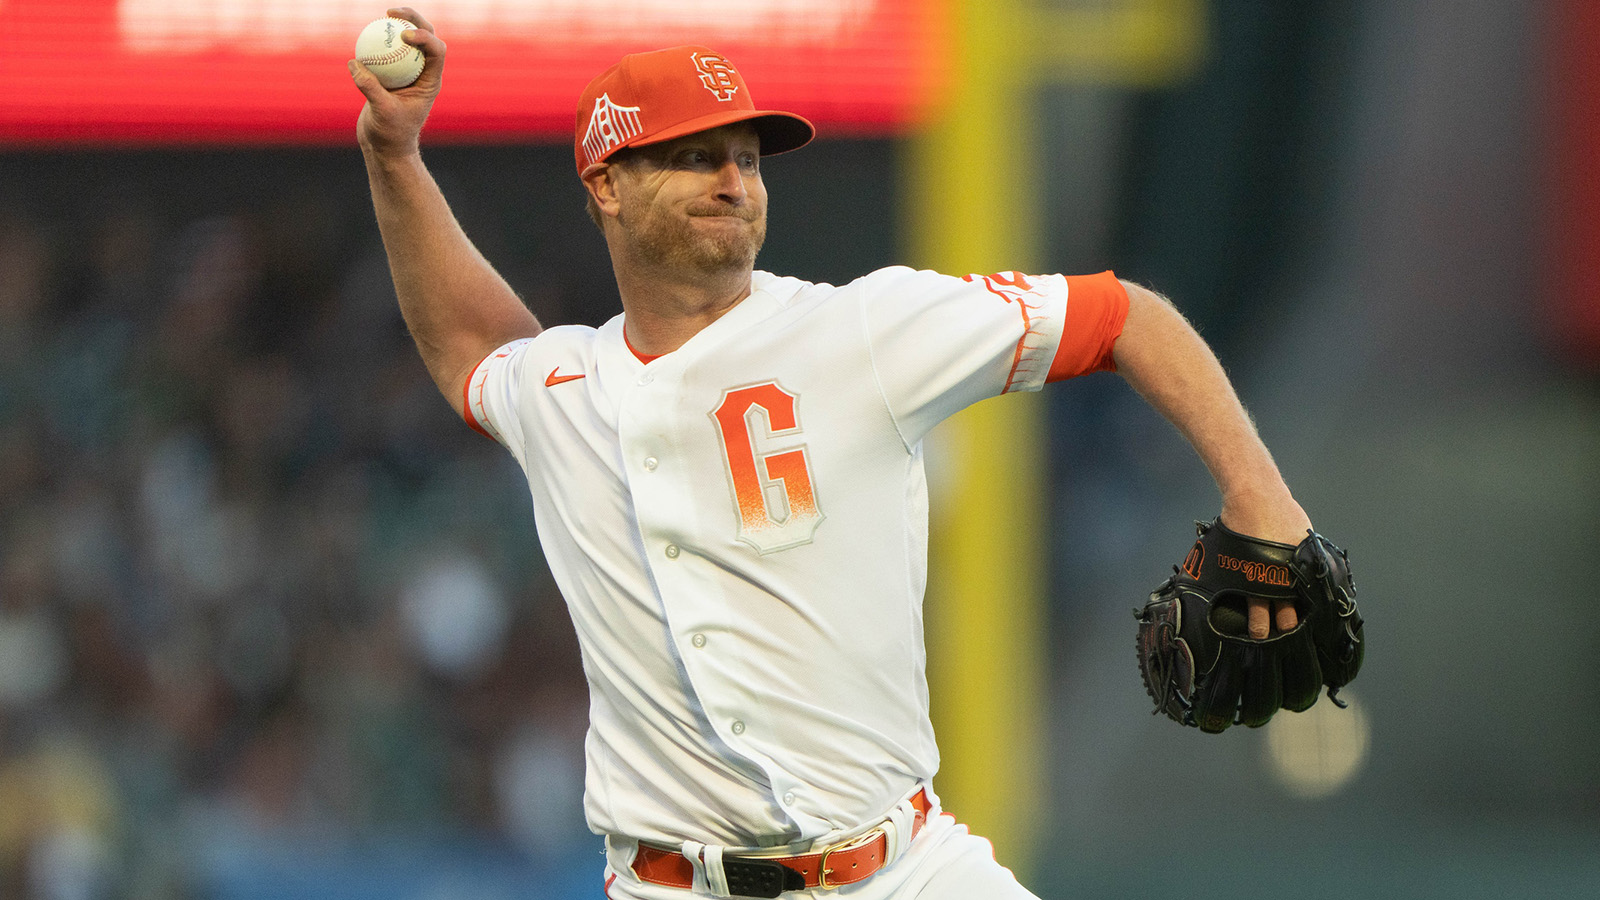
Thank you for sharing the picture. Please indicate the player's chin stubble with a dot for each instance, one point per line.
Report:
(676, 243)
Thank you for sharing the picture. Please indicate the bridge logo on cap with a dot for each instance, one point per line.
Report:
(717, 74)
(609, 126)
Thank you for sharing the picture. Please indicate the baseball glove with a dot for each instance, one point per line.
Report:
(1200, 664)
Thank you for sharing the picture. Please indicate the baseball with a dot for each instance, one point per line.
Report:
(395, 62)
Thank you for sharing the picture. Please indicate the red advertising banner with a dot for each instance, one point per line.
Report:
(229, 71)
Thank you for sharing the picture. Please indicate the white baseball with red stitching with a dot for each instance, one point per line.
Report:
(380, 49)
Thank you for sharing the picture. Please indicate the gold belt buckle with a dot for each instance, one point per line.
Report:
(855, 843)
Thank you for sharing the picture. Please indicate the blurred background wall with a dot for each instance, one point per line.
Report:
(1360, 206)
(274, 624)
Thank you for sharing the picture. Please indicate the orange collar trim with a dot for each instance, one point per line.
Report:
(637, 355)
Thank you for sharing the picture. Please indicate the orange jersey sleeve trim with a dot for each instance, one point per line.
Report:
(1097, 308)
(466, 398)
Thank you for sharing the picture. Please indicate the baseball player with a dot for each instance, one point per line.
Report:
(728, 482)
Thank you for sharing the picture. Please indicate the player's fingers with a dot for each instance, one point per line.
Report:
(426, 41)
(367, 82)
(410, 15)
(1257, 619)
(1285, 616)
(423, 38)
(433, 51)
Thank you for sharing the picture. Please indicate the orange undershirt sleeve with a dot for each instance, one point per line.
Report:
(1097, 307)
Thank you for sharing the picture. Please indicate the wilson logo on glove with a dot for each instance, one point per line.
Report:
(1194, 561)
(1257, 571)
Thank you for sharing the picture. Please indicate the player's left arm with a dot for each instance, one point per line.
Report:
(1161, 355)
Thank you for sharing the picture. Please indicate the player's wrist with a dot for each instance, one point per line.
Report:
(388, 158)
(1266, 512)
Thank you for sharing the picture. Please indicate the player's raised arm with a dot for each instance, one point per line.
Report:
(1171, 366)
(455, 304)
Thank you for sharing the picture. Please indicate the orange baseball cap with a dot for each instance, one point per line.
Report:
(664, 94)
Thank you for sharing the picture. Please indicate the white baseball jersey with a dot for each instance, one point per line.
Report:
(739, 528)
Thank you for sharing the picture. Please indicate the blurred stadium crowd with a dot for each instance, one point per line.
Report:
(256, 582)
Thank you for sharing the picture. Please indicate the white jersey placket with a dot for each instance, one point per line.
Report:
(653, 419)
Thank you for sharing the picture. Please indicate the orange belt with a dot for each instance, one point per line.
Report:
(769, 876)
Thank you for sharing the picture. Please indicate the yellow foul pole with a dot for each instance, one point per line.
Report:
(971, 204)
(973, 191)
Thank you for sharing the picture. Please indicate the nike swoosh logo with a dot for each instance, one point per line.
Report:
(553, 379)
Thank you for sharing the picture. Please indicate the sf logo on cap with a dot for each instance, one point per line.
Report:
(717, 75)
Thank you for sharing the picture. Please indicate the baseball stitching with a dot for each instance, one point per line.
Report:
(392, 55)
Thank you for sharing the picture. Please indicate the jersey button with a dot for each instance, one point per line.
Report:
(672, 551)
(788, 798)
(698, 640)
(645, 379)
(650, 464)
(738, 726)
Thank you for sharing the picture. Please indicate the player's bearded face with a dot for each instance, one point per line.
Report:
(698, 203)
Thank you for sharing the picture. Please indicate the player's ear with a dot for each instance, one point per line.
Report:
(600, 180)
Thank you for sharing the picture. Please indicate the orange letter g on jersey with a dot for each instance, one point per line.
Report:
(771, 477)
